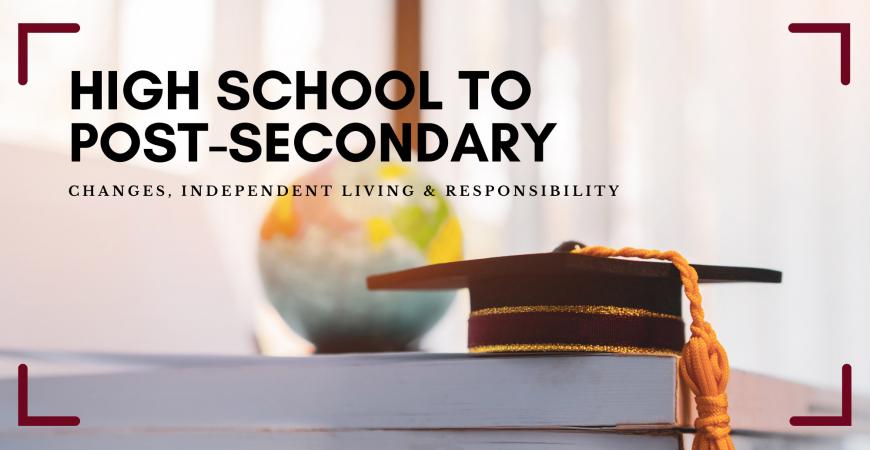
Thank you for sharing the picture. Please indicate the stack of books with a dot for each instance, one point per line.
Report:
(403, 401)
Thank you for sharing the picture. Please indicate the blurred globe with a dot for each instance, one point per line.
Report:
(315, 253)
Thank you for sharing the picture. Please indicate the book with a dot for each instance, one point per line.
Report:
(388, 439)
(393, 400)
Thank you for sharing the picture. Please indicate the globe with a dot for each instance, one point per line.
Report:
(315, 253)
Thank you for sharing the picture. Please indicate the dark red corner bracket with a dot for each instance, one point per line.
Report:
(25, 29)
(845, 417)
(25, 420)
(840, 28)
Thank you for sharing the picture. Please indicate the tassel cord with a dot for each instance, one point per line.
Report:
(703, 365)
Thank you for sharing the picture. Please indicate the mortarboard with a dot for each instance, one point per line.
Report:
(580, 299)
(567, 302)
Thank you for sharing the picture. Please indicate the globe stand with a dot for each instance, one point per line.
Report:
(335, 345)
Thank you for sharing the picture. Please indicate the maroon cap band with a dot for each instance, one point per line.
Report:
(556, 331)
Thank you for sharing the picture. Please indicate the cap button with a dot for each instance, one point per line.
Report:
(567, 246)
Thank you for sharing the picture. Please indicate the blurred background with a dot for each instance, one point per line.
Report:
(732, 141)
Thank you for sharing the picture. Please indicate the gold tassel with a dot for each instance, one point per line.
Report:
(704, 364)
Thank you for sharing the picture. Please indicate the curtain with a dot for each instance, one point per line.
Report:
(732, 141)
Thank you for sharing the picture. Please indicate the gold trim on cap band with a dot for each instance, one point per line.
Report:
(575, 309)
(625, 349)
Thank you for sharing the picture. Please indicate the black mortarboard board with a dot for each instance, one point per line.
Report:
(567, 302)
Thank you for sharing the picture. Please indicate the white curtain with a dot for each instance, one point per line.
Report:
(732, 141)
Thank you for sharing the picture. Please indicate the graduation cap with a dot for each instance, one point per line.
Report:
(564, 302)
